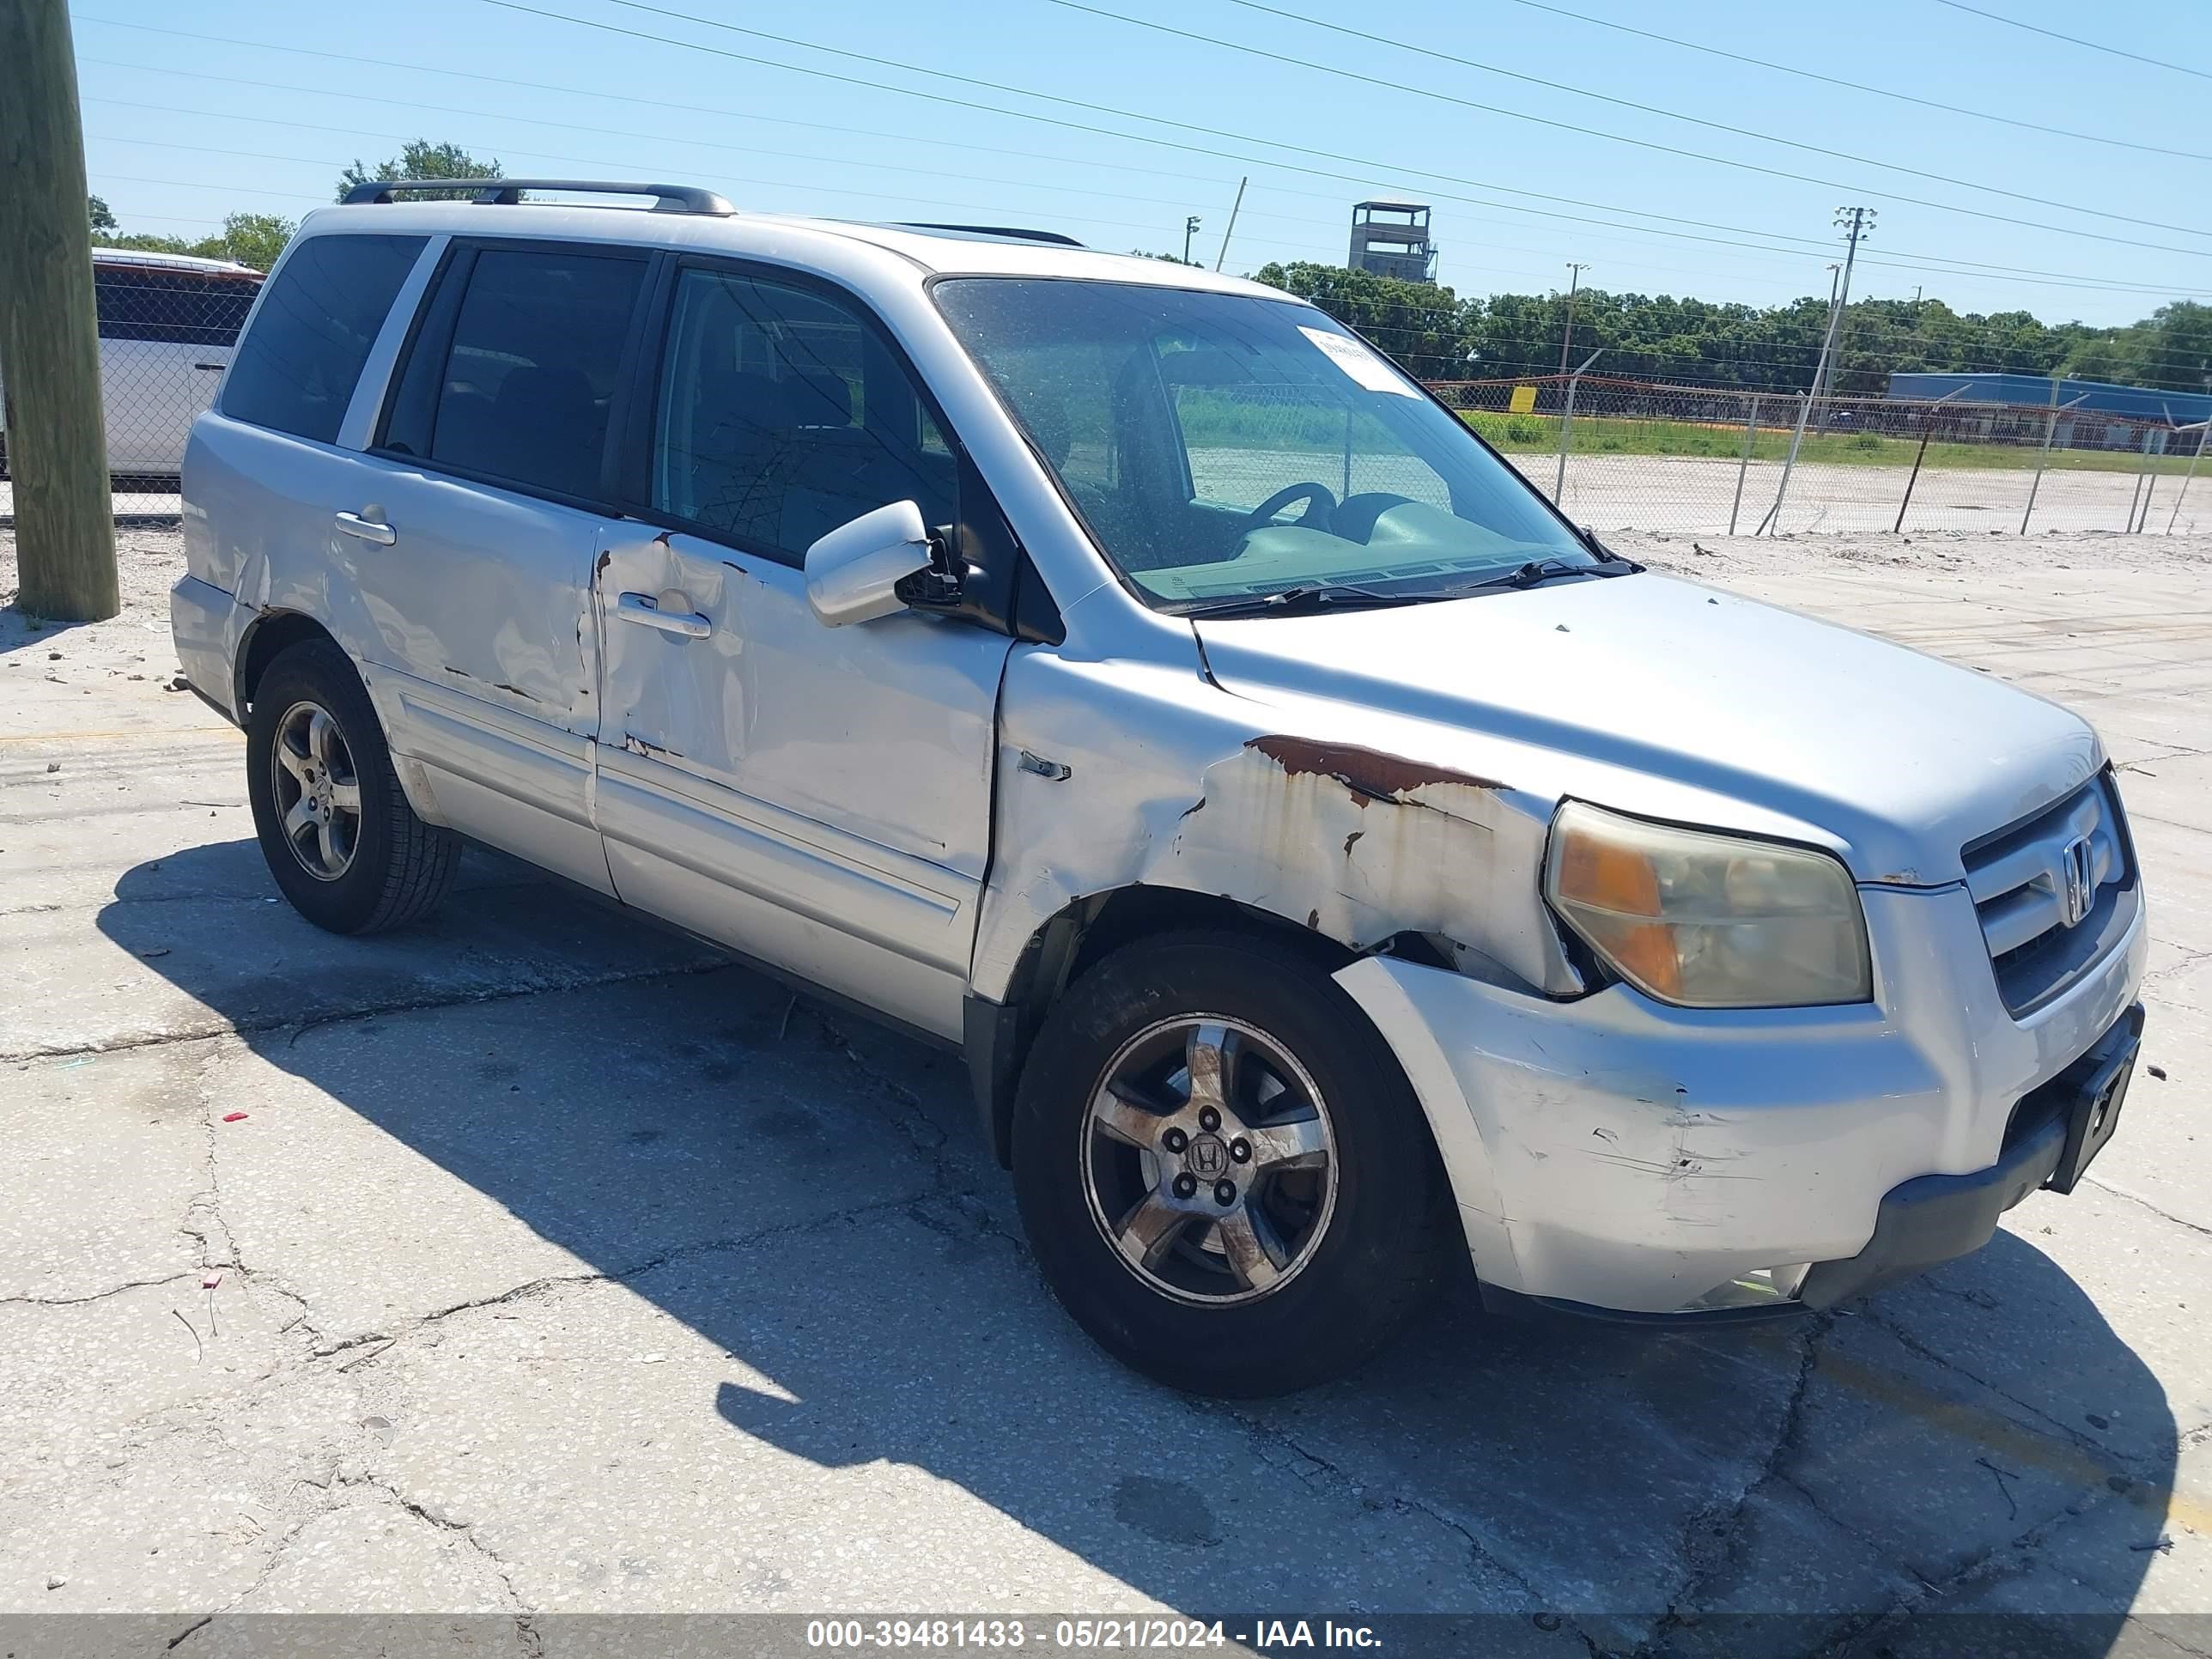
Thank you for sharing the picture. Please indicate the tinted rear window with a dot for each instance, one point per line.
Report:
(530, 374)
(174, 308)
(296, 366)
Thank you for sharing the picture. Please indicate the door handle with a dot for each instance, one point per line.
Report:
(212, 369)
(352, 524)
(641, 608)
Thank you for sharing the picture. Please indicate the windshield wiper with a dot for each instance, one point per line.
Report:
(1542, 570)
(1303, 600)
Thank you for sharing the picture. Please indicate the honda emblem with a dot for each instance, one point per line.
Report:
(2077, 886)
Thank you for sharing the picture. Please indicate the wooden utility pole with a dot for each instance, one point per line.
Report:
(49, 330)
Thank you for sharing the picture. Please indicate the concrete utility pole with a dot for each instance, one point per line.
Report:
(1567, 335)
(1234, 208)
(1858, 222)
(49, 330)
(1189, 230)
(1854, 222)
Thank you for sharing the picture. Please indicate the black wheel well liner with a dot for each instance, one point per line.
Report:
(996, 1036)
(269, 633)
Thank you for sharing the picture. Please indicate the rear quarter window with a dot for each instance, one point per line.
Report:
(296, 368)
(171, 307)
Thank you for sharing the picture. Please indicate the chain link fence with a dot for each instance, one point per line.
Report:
(166, 328)
(1632, 455)
(1616, 454)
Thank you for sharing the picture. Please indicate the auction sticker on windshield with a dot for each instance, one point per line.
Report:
(1356, 360)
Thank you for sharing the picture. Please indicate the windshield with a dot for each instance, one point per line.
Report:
(1223, 446)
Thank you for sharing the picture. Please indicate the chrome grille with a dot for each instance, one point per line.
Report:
(2028, 879)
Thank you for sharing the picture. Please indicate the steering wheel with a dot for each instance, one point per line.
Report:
(1323, 500)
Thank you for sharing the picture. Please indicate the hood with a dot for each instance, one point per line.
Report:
(1664, 697)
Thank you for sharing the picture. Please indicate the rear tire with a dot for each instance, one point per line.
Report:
(1283, 1250)
(335, 826)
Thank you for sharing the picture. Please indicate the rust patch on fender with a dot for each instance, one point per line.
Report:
(1368, 772)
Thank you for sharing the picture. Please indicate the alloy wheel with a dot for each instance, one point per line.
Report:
(1209, 1160)
(317, 792)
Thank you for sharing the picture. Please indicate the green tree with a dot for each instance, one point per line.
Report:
(253, 238)
(421, 159)
(102, 218)
(248, 239)
(1421, 326)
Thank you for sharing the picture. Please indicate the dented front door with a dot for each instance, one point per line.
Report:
(816, 797)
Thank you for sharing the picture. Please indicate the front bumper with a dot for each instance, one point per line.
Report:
(1633, 1158)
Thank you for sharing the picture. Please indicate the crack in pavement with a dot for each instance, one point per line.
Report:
(1913, 1345)
(369, 1011)
(2133, 1197)
(503, 1568)
(98, 1296)
(660, 1259)
(1723, 1520)
(1265, 1435)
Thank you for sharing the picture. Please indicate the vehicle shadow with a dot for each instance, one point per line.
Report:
(809, 1194)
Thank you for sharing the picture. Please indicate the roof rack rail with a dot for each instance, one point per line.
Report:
(1011, 231)
(669, 199)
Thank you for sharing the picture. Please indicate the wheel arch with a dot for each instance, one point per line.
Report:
(266, 637)
(996, 1036)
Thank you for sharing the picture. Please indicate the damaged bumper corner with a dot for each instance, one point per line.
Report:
(206, 624)
(1636, 1161)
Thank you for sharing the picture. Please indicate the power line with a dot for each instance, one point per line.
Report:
(2077, 40)
(1943, 264)
(1855, 86)
(594, 93)
(1187, 126)
(1580, 92)
(602, 161)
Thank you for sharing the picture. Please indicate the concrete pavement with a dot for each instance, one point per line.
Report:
(535, 1261)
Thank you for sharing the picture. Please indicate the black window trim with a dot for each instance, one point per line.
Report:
(432, 328)
(220, 407)
(1019, 604)
(636, 497)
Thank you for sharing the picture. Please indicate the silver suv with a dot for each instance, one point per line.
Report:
(1336, 867)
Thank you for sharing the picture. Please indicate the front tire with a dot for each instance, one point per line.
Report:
(1222, 1170)
(335, 826)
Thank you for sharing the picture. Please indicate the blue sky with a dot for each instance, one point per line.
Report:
(171, 148)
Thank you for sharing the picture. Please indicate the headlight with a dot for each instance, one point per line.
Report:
(1707, 920)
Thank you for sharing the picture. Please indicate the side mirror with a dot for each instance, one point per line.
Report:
(852, 573)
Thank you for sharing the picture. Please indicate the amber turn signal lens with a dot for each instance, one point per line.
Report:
(1621, 883)
(1608, 876)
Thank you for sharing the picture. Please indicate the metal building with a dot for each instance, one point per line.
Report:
(2105, 397)
(1391, 238)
